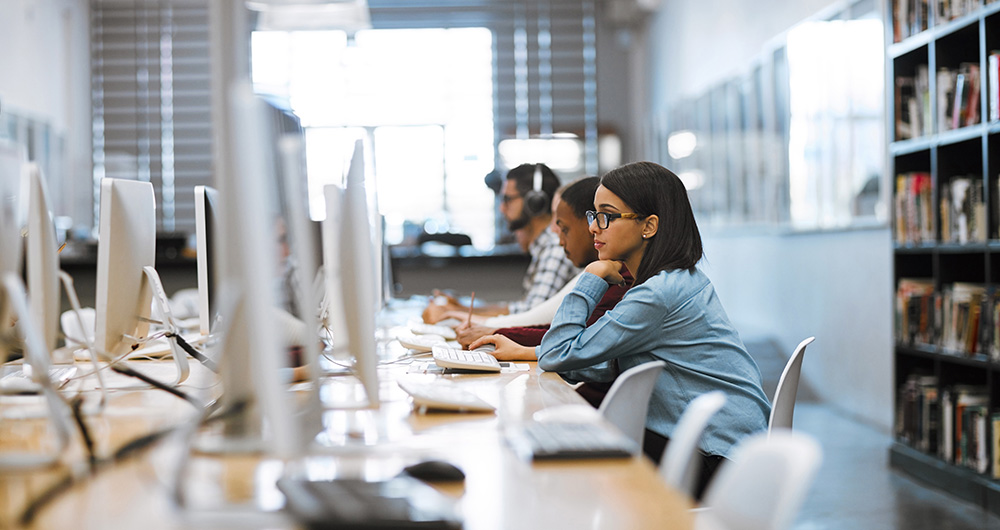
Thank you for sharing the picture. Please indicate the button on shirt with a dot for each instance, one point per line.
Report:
(548, 272)
(675, 317)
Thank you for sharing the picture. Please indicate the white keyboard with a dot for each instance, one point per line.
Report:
(557, 440)
(443, 395)
(447, 357)
(20, 381)
(434, 329)
(421, 343)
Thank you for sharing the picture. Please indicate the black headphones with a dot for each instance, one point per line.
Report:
(536, 201)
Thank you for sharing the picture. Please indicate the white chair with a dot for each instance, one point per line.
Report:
(627, 401)
(764, 485)
(680, 465)
(783, 404)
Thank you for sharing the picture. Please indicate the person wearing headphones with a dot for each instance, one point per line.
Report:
(526, 204)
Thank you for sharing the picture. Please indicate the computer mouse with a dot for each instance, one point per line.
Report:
(435, 471)
(575, 413)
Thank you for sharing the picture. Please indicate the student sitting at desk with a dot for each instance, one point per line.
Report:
(671, 313)
(570, 212)
(526, 205)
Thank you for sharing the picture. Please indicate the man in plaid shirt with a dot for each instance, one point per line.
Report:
(526, 204)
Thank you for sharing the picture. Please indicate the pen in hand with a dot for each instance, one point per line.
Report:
(472, 301)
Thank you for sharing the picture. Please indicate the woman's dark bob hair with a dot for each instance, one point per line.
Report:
(648, 188)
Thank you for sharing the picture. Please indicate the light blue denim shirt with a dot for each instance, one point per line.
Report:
(675, 317)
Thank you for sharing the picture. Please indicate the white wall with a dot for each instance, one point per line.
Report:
(834, 285)
(45, 75)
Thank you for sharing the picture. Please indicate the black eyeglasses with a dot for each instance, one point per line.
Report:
(507, 199)
(604, 218)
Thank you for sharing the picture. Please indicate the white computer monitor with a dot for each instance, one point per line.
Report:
(206, 214)
(12, 159)
(42, 260)
(354, 273)
(253, 363)
(126, 244)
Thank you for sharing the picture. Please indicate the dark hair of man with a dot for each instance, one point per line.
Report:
(579, 195)
(524, 179)
(647, 189)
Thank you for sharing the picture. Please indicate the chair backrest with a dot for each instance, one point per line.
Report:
(679, 465)
(764, 485)
(783, 404)
(627, 401)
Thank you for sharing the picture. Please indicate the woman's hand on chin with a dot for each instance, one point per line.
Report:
(607, 270)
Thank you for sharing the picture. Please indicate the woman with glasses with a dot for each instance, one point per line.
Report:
(642, 218)
(569, 211)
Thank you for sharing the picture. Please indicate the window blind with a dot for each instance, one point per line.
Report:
(150, 90)
(151, 94)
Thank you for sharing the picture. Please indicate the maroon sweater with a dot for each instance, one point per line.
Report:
(532, 335)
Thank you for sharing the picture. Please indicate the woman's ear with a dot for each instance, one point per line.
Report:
(651, 225)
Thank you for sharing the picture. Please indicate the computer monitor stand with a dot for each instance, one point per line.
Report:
(37, 354)
(160, 296)
(74, 303)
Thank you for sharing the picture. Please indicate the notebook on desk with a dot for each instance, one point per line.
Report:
(400, 502)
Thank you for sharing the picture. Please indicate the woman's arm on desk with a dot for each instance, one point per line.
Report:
(507, 350)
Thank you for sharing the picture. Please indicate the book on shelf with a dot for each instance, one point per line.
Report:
(995, 207)
(958, 96)
(913, 104)
(995, 444)
(913, 211)
(945, 98)
(961, 318)
(993, 82)
(969, 114)
(947, 10)
(970, 410)
(964, 420)
(916, 309)
(963, 210)
(961, 309)
(918, 413)
(909, 17)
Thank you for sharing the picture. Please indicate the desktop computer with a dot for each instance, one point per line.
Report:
(206, 215)
(12, 158)
(350, 265)
(127, 282)
(253, 362)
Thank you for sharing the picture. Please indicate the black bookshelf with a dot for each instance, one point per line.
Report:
(932, 149)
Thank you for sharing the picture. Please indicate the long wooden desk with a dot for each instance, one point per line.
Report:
(500, 490)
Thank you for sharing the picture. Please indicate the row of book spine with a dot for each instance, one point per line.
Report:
(961, 206)
(960, 319)
(958, 95)
(910, 17)
(954, 423)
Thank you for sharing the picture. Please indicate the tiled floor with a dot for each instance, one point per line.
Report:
(855, 489)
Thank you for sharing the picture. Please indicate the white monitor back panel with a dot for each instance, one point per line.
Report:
(42, 259)
(126, 244)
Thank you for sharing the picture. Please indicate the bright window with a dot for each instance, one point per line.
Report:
(422, 99)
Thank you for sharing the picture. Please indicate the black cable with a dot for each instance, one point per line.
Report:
(193, 352)
(77, 406)
(125, 370)
(67, 482)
